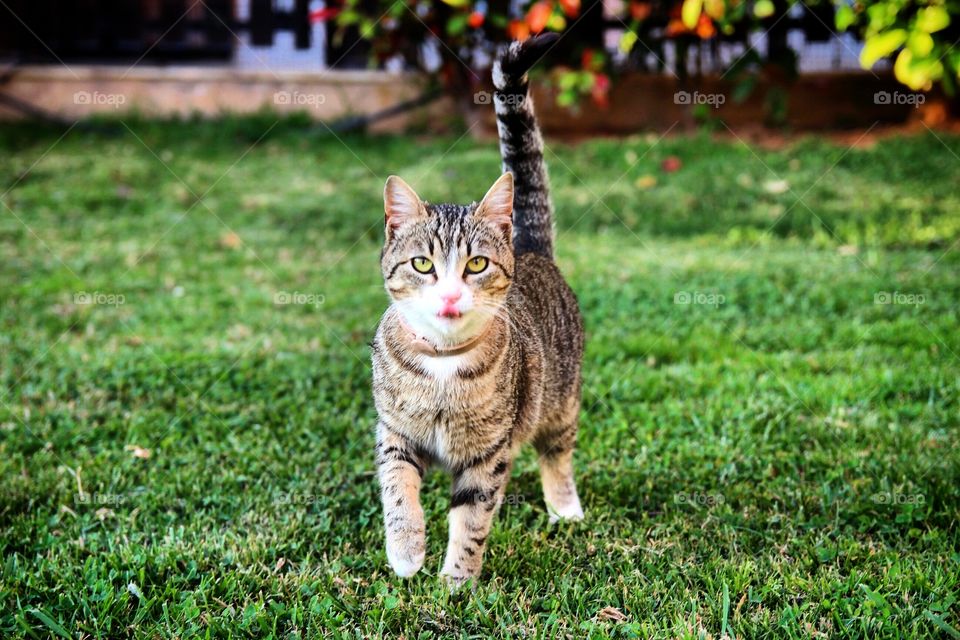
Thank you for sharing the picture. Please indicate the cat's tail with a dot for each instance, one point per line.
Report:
(521, 145)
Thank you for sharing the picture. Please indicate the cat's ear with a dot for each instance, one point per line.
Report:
(497, 206)
(400, 204)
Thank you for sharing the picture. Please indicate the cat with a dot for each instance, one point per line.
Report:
(481, 346)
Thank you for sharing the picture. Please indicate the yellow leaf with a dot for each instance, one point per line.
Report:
(918, 74)
(556, 22)
(456, 4)
(690, 13)
(920, 44)
(881, 45)
(646, 182)
(714, 8)
(763, 9)
(932, 19)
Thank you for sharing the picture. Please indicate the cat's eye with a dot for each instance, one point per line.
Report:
(477, 264)
(421, 264)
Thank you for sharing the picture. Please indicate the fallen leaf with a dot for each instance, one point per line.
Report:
(646, 182)
(138, 452)
(230, 240)
(776, 186)
(612, 613)
(239, 332)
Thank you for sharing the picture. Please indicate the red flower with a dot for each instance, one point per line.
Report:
(640, 10)
(671, 164)
(570, 7)
(518, 30)
(538, 15)
(600, 91)
(476, 20)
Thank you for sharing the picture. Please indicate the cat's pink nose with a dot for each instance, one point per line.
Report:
(450, 298)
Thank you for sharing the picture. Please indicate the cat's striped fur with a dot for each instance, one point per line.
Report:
(505, 372)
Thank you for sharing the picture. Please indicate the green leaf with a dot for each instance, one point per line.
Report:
(932, 19)
(568, 80)
(920, 44)
(845, 17)
(917, 73)
(690, 13)
(878, 600)
(627, 41)
(567, 98)
(763, 9)
(498, 20)
(881, 45)
(50, 623)
(941, 624)
(457, 24)
(456, 4)
(881, 16)
(826, 554)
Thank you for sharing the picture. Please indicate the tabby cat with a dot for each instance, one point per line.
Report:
(480, 349)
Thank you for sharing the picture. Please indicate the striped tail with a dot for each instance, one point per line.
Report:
(521, 145)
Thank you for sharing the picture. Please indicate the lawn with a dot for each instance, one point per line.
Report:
(769, 440)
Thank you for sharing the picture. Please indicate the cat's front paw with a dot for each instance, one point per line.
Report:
(406, 558)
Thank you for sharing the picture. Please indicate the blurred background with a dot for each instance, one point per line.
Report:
(621, 66)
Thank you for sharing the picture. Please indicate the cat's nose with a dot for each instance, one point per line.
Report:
(451, 297)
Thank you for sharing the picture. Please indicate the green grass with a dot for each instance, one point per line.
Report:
(781, 462)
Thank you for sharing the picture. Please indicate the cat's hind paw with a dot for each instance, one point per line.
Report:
(458, 582)
(570, 512)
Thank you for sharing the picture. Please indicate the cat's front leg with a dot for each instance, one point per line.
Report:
(400, 467)
(477, 495)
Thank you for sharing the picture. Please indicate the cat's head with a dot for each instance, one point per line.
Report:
(448, 267)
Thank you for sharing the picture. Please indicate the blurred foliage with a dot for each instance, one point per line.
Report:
(919, 34)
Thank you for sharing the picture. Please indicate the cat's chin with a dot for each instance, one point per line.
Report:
(453, 331)
(443, 331)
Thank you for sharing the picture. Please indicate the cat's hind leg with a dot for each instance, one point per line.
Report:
(555, 449)
(477, 494)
